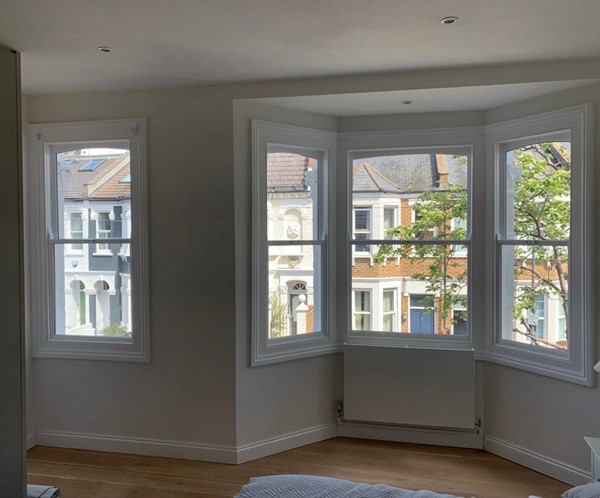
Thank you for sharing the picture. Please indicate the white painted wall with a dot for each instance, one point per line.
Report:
(198, 388)
(279, 399)
(540, 414)
(187, 392)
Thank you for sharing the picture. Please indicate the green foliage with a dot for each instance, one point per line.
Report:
(437, 214)
(542, 212)
(115, 330)
(279, 315)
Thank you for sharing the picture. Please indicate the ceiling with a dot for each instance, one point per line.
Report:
(162, 43)
(472, 98)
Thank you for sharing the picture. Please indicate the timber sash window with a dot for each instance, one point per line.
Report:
(423, 252)
(90, 296)
(542, 238)
(290, 251)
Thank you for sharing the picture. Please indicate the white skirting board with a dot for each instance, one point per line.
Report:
(138, 446)
(185, 450)
(536, 461)
(31, 440)
(252, 451)
(245, 453)
(418, 435)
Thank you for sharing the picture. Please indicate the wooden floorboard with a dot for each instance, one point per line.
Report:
(463, 472)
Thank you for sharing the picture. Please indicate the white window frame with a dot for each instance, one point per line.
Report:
(394, 311)
(395, 210)
(574, 365)
(468, 140)
(461, 251)
(369, 313)
(303, 141)
(413, 219)
(71, 248)
(103, 234)
(45, 138)
(367, 231)
(456, 308)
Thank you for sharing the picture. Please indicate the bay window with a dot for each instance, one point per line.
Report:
(410, 261)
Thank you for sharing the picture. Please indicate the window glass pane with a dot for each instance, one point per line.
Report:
(535, 295)
(538, 192)
(103, 229)
(76, 230)
(389, 311)
(294, 300)
(459, 321)
(389, 221)
(421, 287)
(362, 310)
(362, 228)
(88, 181)
(362, 219)
(430, 189)
(93, 293)
(292, 196)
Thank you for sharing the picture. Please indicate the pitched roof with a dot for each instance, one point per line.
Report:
(94, 177)
(114, 187)
(407, 173)
(286, 171)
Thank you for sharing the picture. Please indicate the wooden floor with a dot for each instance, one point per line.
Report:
(91, 474)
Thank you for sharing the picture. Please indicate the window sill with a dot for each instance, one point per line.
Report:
(93, 348)
(102, 253)
(387, 340)
(523, 360)
(270, 358)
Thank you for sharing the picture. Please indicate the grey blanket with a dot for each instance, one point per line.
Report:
(302, 486)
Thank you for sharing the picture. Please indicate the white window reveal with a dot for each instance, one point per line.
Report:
(542, 244)
(88, 268)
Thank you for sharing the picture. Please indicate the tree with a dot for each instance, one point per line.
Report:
(439, 214)
(539, 211)
(542, 212)
(279, 316)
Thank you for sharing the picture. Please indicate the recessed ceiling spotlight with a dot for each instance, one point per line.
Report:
(106, 50)
(449, 20)
(406, 102)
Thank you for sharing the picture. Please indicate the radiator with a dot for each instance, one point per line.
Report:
(408, 386)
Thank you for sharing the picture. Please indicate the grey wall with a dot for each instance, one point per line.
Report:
(12, 349)
(187, 392)
(198, 387)
(272, 400)
(539, 413)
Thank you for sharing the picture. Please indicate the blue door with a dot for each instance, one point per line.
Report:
(421, 322)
